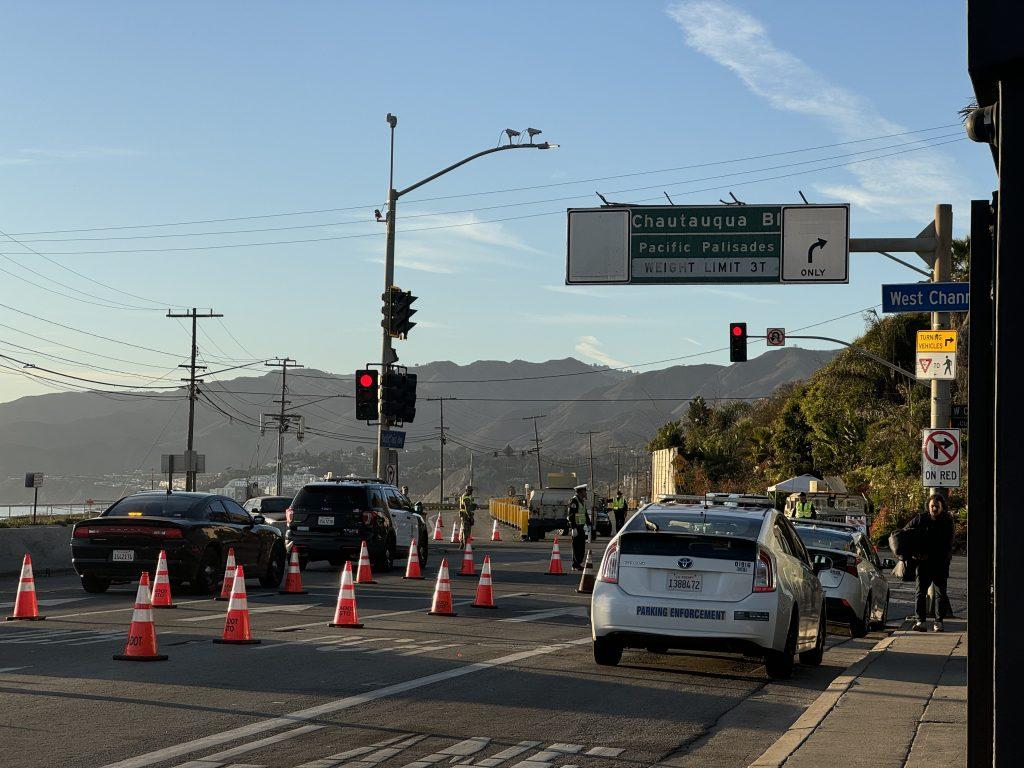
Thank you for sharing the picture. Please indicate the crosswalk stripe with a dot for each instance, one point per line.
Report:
(218, 759)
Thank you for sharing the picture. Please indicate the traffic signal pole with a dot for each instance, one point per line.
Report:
(941, 270)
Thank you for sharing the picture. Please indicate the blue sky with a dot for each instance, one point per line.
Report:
(121, 114)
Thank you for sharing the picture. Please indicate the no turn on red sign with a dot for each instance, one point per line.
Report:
(940, 458)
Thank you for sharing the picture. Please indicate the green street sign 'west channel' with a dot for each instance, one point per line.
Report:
(683, 244)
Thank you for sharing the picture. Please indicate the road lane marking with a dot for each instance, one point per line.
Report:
(506, 754)
(227, 754)
(331, 761)
(11, 669)
(604, 752)
(428, 649)
(338, 705)
(128, 607)
(48, 602)
(550, 614)
(259, 609)
(385, 615)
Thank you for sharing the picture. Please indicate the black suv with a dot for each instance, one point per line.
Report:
(328, 520)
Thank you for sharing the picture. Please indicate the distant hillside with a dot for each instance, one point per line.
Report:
(94, 434)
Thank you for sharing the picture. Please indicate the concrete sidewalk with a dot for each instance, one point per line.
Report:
(904, 705)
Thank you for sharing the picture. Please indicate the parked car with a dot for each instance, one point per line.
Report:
(706, 575)
(850, 571)
(329, 519)
(271, 507)
(195, 529)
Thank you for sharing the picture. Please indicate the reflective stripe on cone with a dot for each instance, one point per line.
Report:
(438, 528)
(365, 573)
(293, 578)
(229, 576)
(141, 644)
(441, 605)
(468, 566)
(555, 566)
(485, 589)
(236, 623)
(25, 606)
(346, 615)
(161, 595)
(412, 563)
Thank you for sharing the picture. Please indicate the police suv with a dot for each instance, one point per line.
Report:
(725, 573)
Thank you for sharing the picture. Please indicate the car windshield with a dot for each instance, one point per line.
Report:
(158, 505)
(700, 524)
(336, 499)
(274, 505)
(824, 538)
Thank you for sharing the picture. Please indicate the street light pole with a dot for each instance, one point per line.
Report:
(388, 356)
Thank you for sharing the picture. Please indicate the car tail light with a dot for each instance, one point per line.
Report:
(852, 561)
(610, 566)
(84, 532)
(168, 533)
(289, 515)
(764, 574)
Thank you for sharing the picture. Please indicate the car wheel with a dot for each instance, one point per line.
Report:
(859, 627)
(422, 552)
(386, 560)
(813, 658)
(95, 585)
(779, 664)
(272, 577)
(607, 651)
(209, 573)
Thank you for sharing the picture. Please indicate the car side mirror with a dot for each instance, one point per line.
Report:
(888, 564)
(259, 519)
(821, 563)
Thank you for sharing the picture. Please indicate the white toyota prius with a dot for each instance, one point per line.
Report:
(723, 574)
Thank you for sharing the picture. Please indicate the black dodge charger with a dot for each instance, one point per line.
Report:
(195, 529)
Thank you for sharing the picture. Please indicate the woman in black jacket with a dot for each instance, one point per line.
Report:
(933, 551)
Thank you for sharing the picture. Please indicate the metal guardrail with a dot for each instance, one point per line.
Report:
(53, 511)
(508, 511)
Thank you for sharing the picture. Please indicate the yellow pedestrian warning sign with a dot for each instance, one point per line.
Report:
(936, 341)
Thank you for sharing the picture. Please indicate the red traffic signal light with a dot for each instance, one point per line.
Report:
(737, 342)
(366, 395)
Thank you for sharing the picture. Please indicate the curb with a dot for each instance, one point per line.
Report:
(779, 752)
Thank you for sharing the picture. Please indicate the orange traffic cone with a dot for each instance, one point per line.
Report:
(229, 576)
(495, 533)
(555, 566)
(25, 606)
(236, 624)
(438, 528)
(468, 566)
(412, 565)
(455, 533)
(141, 644)
(484, 590)
(441, 605)
(586, 586)
(161, 595)
(293, 579)
(346, 615)
(365, 573)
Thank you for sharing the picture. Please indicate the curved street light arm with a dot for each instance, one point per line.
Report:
(452, 167)
(865, 352)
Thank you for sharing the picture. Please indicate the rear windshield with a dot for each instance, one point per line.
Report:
(340, 499)
(823, 538)
(670, 545)
(275, 505)
(181, 507)
(694, 522)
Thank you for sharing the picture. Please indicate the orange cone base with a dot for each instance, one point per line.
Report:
(122, 657)
(222, 641)
(286, 592)
(441, 613)
(24, 618)
(346, 626)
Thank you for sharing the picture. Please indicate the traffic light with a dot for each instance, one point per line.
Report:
(398, 395)
(737, 342)
(366, 395)
(397, 311)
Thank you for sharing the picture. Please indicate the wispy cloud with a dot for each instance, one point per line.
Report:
(576, 290)
(80, 153)
(732, 293)
(589, 347)
(584, 318)
(906, 184)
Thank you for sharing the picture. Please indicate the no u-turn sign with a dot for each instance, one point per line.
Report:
(940, 458)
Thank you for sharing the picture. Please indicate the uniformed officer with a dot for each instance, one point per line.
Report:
(619, 510)
(804, 509)
(578, 524)
(467, 506)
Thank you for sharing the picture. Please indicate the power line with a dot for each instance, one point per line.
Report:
(488, 192)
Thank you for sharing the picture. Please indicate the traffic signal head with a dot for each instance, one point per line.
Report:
(397, 311)
(398, 396)
(737, 342)
(366, 395)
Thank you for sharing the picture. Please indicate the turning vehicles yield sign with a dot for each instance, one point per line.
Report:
(940, 458)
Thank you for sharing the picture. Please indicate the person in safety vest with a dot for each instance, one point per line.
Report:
(619, 510)
(579, 526)
(804, 509)
(467, 506)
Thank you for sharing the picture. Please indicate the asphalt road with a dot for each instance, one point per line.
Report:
(514, 687)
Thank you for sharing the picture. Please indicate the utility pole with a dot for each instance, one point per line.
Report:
(442, 439)
(941, 270)
(471, 454)
(593, 489)
(388, 356)
(190, 474)
(283, 420)
(536, 442)
(618, 463)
